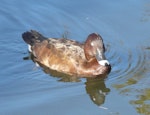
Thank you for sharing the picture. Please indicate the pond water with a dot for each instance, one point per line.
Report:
(125, 28)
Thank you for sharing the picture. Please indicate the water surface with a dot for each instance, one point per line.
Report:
(124, 26)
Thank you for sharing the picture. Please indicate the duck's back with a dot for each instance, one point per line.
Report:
(60, 54)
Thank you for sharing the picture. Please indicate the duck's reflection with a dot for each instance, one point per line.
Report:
(62, 76)
(95, 87)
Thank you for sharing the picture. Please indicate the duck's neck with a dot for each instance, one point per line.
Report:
(91, 63)
(89, 68)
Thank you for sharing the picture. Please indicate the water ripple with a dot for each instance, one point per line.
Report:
(125, 61)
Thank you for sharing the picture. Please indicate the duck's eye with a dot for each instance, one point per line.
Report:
(92, 44)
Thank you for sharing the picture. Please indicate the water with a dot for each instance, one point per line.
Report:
(124, 26)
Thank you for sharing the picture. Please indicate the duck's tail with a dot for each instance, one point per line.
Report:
(32, 37)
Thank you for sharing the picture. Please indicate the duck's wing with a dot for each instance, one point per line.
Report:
(63, 55)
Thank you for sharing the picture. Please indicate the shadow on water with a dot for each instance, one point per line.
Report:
(95, 87)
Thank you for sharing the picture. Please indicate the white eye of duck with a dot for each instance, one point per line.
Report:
(92, 44)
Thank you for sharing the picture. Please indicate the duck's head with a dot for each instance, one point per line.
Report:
(94, 48)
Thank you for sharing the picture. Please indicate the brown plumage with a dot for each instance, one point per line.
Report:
(69, 56)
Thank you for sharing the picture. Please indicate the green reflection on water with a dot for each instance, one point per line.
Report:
(130, 81)
(141, 103)
(136, 86)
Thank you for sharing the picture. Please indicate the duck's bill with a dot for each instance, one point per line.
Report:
(100, 55)
(102, 59)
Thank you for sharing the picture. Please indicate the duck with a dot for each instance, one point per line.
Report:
(69, 56)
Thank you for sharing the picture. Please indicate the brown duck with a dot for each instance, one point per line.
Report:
(69, 56)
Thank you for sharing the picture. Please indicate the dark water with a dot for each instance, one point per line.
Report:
(125, 28)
